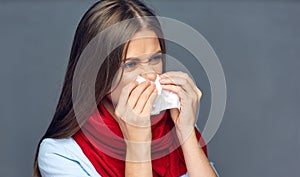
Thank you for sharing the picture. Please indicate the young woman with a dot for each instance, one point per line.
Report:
(120, 137)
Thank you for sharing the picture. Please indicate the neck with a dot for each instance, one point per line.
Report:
(109, 106)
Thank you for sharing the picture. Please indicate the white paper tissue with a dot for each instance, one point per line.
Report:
(165, 98)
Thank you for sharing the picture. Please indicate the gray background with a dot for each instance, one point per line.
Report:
(257, 42)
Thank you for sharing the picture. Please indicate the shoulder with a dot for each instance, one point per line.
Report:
(63, 157)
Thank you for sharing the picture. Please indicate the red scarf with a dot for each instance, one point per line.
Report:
(101, 140)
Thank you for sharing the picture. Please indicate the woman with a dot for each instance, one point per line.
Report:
(121, 138)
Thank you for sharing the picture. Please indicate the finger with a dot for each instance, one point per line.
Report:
(124, 96)
(175, 89)
(180, 82)
(185, 76)
(184, 99)
(136, 92)
(149, 104)
(178, 74)
(144, 98)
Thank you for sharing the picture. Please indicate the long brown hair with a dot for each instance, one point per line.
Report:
(99, 16)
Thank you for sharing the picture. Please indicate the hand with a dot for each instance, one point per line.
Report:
(181, 84)
(133, 111)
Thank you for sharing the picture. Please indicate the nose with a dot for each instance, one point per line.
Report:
(149, 75)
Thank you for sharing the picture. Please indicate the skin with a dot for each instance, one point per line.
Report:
(132, 110)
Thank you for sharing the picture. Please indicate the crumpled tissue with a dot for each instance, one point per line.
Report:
(165, 98)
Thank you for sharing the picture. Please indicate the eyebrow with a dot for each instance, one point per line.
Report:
(131, 58)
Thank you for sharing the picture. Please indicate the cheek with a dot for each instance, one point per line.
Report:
(115, 88)
(126, 79)
(159, 68)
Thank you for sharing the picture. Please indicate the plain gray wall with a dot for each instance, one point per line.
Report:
(257, 42)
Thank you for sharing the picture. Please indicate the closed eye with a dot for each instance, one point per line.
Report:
(131, 63)
(157, 57)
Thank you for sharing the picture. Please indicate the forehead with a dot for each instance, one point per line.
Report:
(143, 43)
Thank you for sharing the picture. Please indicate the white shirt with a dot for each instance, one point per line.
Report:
(64, 158)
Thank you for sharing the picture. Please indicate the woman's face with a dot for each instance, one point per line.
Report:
(143, 47)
